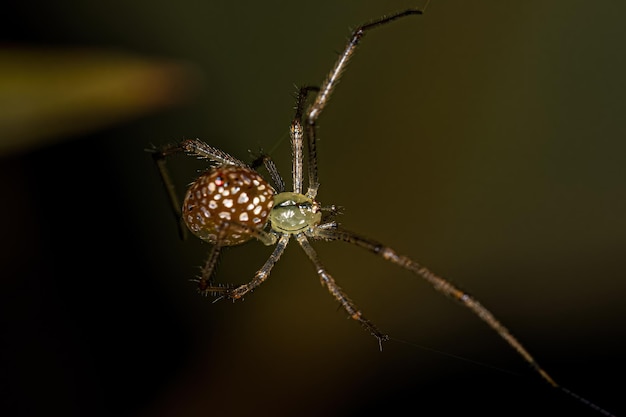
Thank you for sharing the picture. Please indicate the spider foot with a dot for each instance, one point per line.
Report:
(382, 338)
(228, 291)
(370, 327)
(213, 289)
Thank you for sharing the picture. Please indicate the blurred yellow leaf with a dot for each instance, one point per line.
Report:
(48, 94)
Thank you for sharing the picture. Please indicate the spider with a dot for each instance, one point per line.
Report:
(231, 203)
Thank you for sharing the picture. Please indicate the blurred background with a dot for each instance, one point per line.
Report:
(483, 139)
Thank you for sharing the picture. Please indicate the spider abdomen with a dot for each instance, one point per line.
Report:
(228, 203)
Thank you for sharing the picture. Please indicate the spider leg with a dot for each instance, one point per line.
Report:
(440, 284)
(206, 284)
(324, 93)
(340, 65)
(159, 157)
(200, 149)
(329, 282)
(270, 166)
(235, 293)
(297, 134)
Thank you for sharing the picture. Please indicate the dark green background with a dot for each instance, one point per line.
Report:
(484, 139)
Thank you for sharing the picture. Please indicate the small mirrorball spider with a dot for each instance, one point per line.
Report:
(231, 203)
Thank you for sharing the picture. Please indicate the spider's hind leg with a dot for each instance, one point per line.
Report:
(206, 283)
(236, 292)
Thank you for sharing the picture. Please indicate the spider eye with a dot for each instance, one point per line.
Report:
(228, 203)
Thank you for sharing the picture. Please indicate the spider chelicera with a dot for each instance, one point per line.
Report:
(231, 203)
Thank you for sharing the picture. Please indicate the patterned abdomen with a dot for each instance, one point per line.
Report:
(228, 203)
